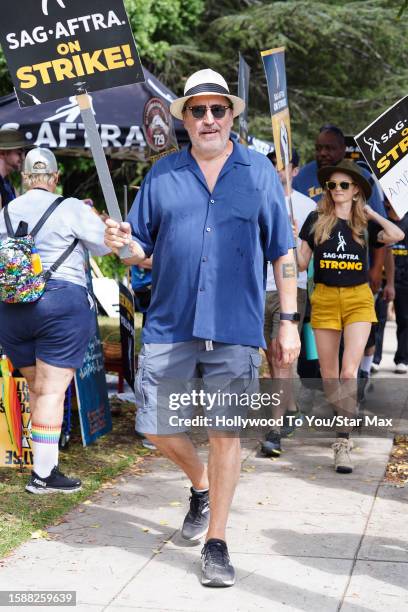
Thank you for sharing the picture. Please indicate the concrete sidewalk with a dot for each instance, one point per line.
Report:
(300, 537)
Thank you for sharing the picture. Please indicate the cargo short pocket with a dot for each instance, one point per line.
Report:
(255, 361)
(140, 383)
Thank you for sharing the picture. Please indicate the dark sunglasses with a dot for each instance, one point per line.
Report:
(343, 185)
(217, 110)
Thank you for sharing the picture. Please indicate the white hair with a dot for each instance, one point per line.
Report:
(32, 180)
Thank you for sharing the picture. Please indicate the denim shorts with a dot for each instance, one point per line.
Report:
(56, 328)
(169, 374)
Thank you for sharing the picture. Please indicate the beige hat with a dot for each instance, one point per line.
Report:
(13, 139)
(40, 161)
(206, 83)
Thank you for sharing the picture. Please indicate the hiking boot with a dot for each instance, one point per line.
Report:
(271, 447)
(56, 482)
(216, 568)
(342, 460)
(197, 518)
(289, 429)
(400, 368)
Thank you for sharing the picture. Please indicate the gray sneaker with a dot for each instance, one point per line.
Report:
(216, 569)
(195, 524)
(342, 460)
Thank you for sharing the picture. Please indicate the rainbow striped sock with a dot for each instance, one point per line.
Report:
(45, 448)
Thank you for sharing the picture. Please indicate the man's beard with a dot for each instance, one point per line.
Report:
(216, 147)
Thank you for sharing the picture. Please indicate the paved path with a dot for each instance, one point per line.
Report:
(301, 538)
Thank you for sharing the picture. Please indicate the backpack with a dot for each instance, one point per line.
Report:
(22, 279)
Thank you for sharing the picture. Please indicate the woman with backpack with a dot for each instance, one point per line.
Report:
(339, 235)
(46, 313)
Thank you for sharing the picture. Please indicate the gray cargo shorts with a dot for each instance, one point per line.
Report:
(175, 382)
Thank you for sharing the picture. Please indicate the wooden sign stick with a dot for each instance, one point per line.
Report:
(105, 179)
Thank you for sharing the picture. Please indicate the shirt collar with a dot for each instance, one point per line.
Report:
(240, 155)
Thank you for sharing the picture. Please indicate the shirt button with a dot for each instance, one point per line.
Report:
(204, 259)
(212, 201)
(201, 288)
(208, 229)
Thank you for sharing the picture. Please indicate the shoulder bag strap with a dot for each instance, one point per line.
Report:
(45, 216)
(61, 260)
(10, 231)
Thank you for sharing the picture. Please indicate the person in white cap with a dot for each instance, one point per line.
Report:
(213, 214)
(47, 339)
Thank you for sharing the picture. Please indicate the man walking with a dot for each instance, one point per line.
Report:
(302, 206)
(213, 214)
(12, 145)
(330, 149)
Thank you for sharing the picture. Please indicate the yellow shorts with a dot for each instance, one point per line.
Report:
(336, 307)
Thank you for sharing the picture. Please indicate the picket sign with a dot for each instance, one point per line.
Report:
(60, 49)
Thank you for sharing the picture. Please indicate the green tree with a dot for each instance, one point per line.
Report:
(346, 61)
(157, 24)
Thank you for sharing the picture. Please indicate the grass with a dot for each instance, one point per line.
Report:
(23, 516)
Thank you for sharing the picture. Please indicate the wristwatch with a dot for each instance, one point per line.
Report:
(289, 316)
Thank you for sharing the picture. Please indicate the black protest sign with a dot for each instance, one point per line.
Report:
(243, 92)
(384, 144)
(127, 333)
(275, 71)
(90, 383)
(59, 48)
(352, 150)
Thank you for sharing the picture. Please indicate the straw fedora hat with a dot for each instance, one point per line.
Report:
(13, 139)
(348, 167)
(206, 82)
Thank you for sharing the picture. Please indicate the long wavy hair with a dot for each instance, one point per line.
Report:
(326, 218)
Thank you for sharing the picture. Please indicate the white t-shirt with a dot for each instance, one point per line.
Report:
(72, 219)
(302, 206)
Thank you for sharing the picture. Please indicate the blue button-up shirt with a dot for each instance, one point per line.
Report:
(210, 249)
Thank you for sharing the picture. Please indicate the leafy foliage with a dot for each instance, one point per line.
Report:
(157, 24)
(346, 59)
(111, 267)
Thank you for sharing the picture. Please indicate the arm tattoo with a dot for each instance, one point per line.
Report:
(288, 270)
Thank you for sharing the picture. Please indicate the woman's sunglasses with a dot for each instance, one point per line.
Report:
(217, 110)
(330, 185)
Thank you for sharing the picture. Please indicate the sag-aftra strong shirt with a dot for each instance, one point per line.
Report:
(340, 261)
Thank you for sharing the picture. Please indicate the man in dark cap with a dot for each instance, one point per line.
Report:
(12, 145)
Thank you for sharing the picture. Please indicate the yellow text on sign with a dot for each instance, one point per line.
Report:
(124, 301)
(78, 65)
(395, 153)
